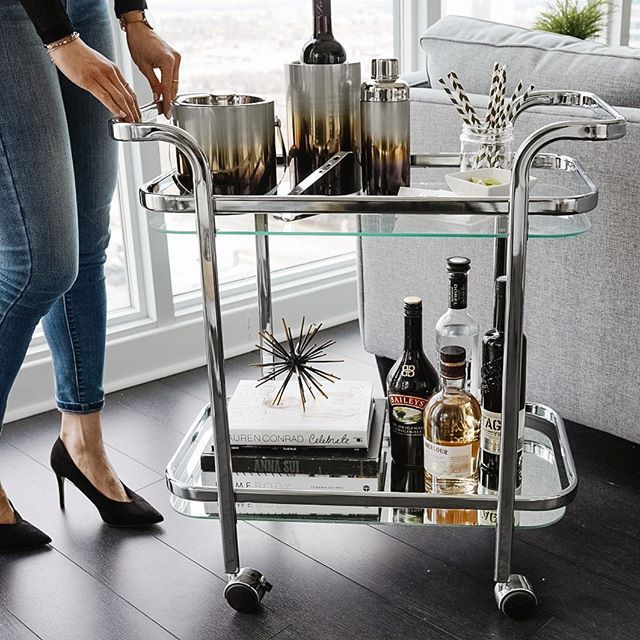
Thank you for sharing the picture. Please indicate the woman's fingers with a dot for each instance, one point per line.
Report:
(131, 96)
(152, 79)
(118, 95)
(96, 74)
(166, 81)
(105, 98)
(176, 76)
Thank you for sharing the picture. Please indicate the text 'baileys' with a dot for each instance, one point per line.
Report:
(410, 384)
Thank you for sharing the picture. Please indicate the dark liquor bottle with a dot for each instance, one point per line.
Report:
(491, 388)
(323, 48)
(407, 480)
(410, 384)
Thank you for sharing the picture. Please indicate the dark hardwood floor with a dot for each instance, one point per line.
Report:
(331, 582)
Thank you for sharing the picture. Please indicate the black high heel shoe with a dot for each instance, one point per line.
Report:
(21, 535)
(136, 513)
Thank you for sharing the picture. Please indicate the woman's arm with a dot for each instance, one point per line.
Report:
(93, 72)
(49, 18)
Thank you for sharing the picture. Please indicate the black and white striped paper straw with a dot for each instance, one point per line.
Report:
(463, 97)
(520, 100)
(496, 97)
(493, 89)
(508, 112)
(464, 114)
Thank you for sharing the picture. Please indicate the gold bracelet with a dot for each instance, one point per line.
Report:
(141, 18)
(60, 43)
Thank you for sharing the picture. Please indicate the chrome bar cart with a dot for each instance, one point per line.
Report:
(514, 218)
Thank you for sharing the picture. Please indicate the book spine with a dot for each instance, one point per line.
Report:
(285, 482)
(316, 439)
(251, 508)
(297, 465)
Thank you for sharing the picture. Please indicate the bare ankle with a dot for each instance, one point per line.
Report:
(7, 515)
(81, 432)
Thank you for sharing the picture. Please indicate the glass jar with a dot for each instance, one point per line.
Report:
(482, 147)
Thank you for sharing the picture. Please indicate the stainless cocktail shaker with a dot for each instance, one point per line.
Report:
(323, 118)
(237, 134)
(384, 115)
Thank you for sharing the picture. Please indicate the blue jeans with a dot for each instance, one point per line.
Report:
(57, 177)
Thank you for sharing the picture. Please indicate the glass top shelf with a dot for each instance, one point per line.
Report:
(559, 201)
(545, 473)
(379, 225)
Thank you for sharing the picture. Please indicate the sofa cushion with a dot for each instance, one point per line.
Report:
(547, 60)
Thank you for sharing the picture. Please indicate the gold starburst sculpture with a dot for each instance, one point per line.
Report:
(297, 356)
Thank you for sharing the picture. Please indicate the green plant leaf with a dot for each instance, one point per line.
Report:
(567, 17)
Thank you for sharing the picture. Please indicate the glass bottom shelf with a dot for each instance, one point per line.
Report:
(549, 479)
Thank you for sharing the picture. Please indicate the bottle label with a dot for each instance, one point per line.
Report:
(458, 291)
(491, 431)
(406, 414)
(450, 461)
(488, 517)
(490, 442)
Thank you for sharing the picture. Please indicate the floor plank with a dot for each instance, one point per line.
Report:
(417, 583)
(566, 590)
(559, 630)
(604, 456)
(12, 628)
(147, 574)
(331, 582)
(318, 597)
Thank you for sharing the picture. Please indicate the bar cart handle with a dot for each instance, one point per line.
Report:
(607, 125)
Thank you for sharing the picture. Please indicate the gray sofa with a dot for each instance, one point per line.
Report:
(582, 301)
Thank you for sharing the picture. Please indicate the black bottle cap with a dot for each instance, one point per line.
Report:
(458, 264)
(413, 306)
(453, 354)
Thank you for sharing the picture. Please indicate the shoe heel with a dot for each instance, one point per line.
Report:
(61, 480)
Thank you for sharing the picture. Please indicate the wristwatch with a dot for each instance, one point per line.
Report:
(133, 16)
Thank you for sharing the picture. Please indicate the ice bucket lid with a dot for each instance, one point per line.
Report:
(218, 99)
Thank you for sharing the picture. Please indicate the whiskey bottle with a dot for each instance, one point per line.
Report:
(410, 384)
(322, 48)
(491, 389)
(457, 326)
(451, 430)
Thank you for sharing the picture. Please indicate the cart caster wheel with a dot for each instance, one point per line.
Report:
(245, 591)
(515, 598)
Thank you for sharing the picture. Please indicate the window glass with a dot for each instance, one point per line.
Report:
(242, 45)
(522, 13)
(116, 267)
(634, 27)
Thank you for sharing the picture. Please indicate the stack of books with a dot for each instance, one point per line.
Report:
(335, 445)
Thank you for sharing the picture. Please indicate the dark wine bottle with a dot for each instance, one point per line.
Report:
(491, 388)
(323, 48)
(407, 480)
(410, 384)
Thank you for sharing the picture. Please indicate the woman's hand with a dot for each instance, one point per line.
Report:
(151, 52)
(96, 74)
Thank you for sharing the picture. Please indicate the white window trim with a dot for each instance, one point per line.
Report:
(619, 23)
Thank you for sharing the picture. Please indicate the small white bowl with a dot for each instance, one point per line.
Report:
(461, 185)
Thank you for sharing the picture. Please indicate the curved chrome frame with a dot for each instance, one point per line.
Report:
(607, 125)
(540, 418)
(156, 196)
